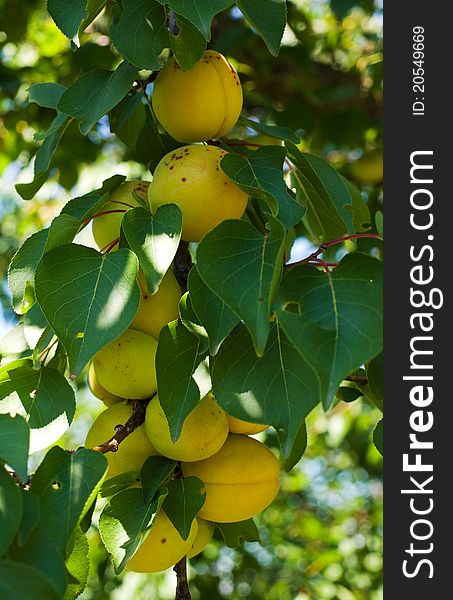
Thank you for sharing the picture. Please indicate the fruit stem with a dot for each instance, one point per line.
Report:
(182, 584)
(136, 419)
(110, 246)
(105, 212)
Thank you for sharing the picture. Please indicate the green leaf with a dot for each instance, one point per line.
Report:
(93, 8)
(46, 94)
(190, 319)
(14, 441)
(261, 175)
(77, 564)
(275, 131)
(324, 193)
(127, 120)
(188, 45)
(30, 516)
(125, 523)
(43, 397)
(235, 533)
(10, 509)
(155, 471)
(349, 393)
(199, 13)
(104, 297)
(141, 33)
(27, 191)
(88, 205)
(217, 318)
(44, 155)
(62, 231)
(335, 320)
(298, 448)
(95, 93)
(378, 437)
(116, 484)
(375, 388)
(179, 353)
(67, 15)
(245, 279)
(268, 19)
(184, 501)
(278, 388)
(362, 217)
(154, 239)
(66, 484)
(17, 579)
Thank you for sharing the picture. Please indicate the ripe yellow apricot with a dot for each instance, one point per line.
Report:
(243, 427)
(203, 537)
(203, 433)
(240, 480)
(201, 103)
(158, 309)
(126, 366)
(133, 450)
(369, 168)
(106, 228)
(100, 392)
(163, 547)
(192, 178)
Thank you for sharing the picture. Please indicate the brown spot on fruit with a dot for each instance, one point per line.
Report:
(183, 179)
(163, 540)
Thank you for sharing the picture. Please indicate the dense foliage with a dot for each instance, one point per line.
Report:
(77, 89)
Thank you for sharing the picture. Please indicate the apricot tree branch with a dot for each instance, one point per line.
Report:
(172, 25)
(122, 431)
(182, 583)
(181, 265)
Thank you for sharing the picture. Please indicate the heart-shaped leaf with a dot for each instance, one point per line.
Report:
(184, 501)
(103, 293)
(261, 175)
(154, 239)
(243, 266)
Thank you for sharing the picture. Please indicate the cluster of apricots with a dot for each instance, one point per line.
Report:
(240, 474)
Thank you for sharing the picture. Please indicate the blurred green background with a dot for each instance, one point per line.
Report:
(322, 537)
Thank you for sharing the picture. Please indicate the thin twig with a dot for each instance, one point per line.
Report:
(182, 584)
(122, 431)
(314, 259)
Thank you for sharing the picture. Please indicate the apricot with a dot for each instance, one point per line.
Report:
(100, 392)
(203, 537)
(163, 547)
(203, 433)
(192, 178)
(106, 228)
(238, 426)
(201, 103)
(240, 480)
(126, 366)
(133, 450)
(158, 309)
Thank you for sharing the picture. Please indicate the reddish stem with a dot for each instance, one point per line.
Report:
(110, 246)
(120, 202)
(314, 259)
(105, 212)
